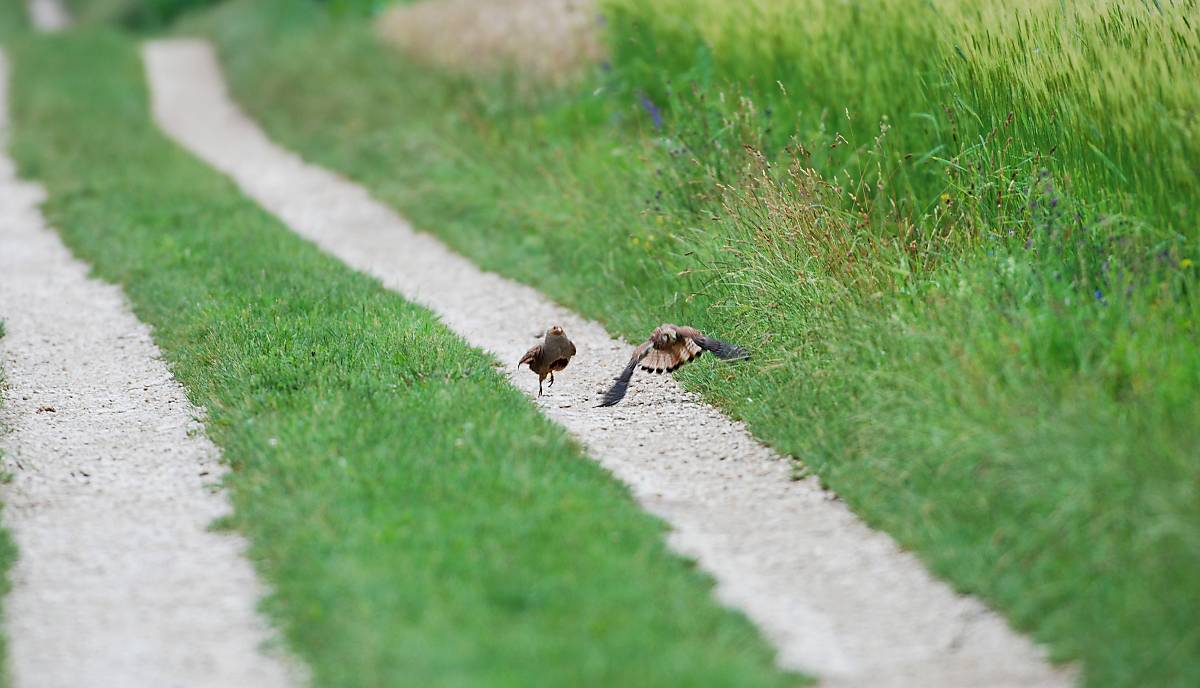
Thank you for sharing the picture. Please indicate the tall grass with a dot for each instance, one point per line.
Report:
(1101, 91)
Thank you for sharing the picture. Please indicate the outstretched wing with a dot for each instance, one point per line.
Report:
(621, 385)
(722, 350)
(530, 356)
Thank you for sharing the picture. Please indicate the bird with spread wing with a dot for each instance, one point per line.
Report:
(669, 348)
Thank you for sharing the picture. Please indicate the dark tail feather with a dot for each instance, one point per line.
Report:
(621, 385)
(527, 359)
(723, 350)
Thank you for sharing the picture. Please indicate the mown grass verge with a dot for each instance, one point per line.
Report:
(1003, 379)
(420, 522)
(13, 19)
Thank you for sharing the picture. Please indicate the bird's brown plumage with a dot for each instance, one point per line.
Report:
(550, 356)
(669, 348)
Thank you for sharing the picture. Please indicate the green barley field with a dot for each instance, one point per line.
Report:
(962, 236)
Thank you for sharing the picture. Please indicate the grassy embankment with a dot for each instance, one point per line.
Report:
(961, 246)
(419, 521)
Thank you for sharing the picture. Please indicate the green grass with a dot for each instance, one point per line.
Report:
(999, 370)
(419, 521)
(1097, 89)
(134, 14)
(12, 19)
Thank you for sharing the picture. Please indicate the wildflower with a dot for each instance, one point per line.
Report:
(1186, 263)
(652, 110)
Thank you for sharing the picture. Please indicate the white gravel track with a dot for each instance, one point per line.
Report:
(48, 15)
(118, 582)
(834, 597)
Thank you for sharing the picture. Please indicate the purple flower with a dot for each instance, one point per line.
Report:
(652, 110)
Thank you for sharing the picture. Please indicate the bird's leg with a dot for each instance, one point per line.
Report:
(540, 378)
(551, 378)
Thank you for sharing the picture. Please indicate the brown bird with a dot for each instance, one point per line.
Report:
(553, 354)
(668, 349)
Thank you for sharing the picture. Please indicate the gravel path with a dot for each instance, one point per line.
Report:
(118, 581)
(836, 598)
(48, 15)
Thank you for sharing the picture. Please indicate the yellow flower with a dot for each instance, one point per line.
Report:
(1186, 263)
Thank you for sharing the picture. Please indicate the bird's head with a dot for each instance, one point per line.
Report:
(555, 331)
(665, 335)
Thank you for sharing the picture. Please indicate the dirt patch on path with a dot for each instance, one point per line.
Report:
(118, 581)
(836, 598)
(546, 40)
